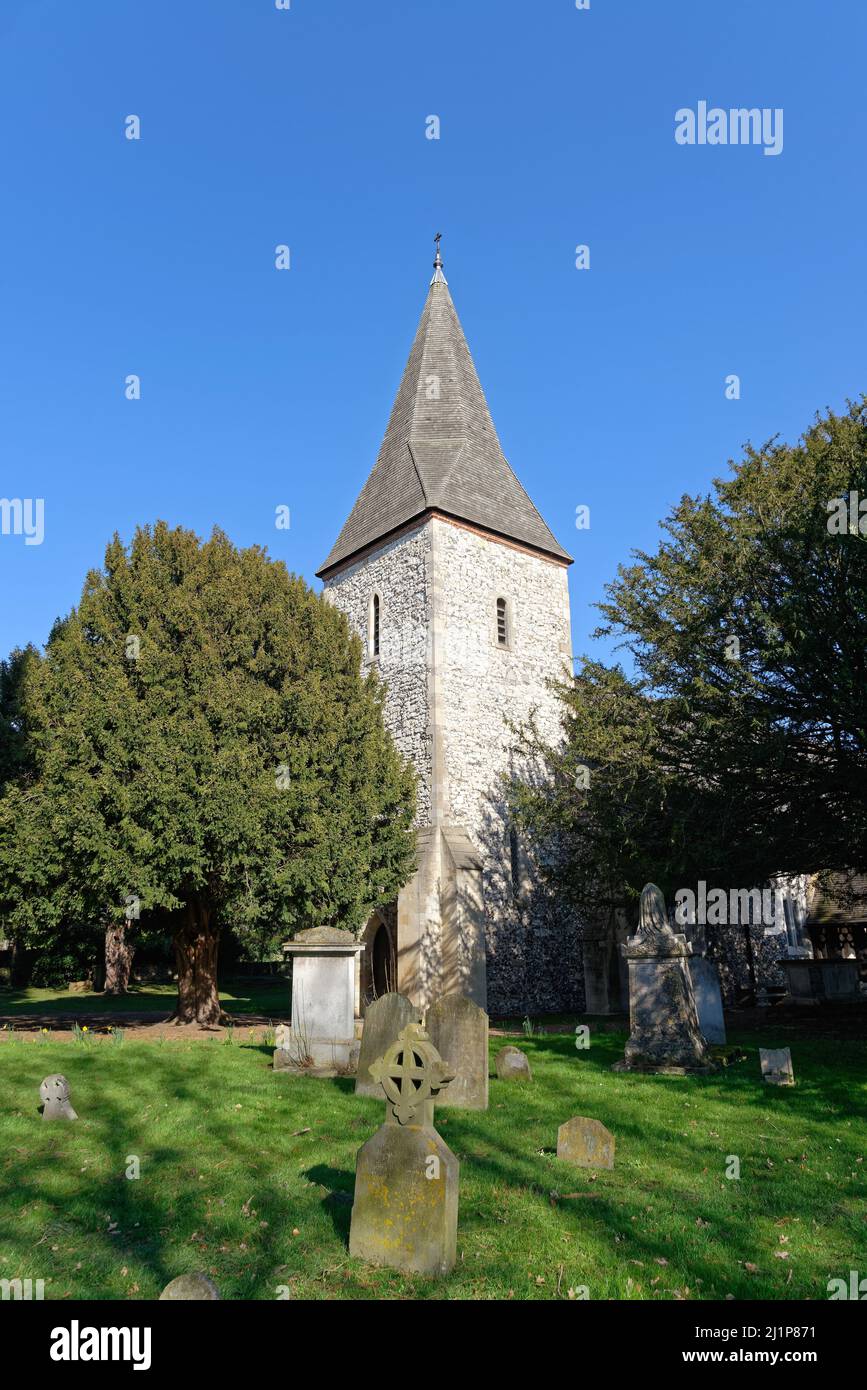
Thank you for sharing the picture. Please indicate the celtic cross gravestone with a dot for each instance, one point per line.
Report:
(405, 1212)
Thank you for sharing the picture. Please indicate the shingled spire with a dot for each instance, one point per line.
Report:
(441, 453)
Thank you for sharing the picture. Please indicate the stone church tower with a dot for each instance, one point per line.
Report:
(459, 593)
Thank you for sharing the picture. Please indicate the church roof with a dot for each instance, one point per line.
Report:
(441, 452)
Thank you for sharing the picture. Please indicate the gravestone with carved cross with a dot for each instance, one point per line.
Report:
(405, 1212)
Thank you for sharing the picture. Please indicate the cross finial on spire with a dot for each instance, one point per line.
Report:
(438, 262)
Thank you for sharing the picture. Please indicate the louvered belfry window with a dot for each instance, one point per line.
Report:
(502, 623)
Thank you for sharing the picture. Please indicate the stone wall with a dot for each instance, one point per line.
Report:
(400, 573)
(534, 960)
(483, 683)
(452, 689)
(749, 953)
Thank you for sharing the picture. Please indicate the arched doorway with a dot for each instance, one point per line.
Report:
(379, 960)
(383, 967)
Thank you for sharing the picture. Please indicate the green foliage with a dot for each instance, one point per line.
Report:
(198, 731)
(728, 759)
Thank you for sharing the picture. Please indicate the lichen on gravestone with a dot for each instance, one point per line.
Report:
(405, 1211)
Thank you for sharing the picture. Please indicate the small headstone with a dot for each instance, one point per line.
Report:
(54, 1094)
(708, 999)
(777, 1065)
(383, 1022)
(458, 1029)
(405, 1213)
(190, 1288)
(586, 1143)
(289, 1055)
(513, 1065)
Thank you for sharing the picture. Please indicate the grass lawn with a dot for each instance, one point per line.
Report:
(239, 996)
(229, 1186)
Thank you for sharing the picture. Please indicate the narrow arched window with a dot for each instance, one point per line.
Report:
(502, 623)
(374, 626)
(514, 862)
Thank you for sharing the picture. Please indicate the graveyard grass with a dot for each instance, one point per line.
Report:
(248, 1176)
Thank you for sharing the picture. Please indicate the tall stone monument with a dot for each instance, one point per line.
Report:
(665, 1035)
(405, 1212)
(324, 995)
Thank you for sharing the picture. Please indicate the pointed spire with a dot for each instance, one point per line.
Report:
(441, 452)
(438, 278)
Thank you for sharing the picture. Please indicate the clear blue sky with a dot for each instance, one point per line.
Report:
(307, 127)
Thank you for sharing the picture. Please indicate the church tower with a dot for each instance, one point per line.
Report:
(459, 593)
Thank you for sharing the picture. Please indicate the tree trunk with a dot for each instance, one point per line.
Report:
(118, 959)
(196, 944)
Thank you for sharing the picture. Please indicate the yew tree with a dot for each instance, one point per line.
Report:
(201, 743)
(738, 748)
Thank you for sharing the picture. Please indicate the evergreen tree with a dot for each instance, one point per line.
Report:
(204, 744)
(740, 749)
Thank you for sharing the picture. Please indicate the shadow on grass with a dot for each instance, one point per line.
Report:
(340, 1184)
(73, 1180)
(638, 1110)
(662, 1205)
(147, 1003)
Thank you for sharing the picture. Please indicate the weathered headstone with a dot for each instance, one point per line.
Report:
(54, 1094)
(458, 1029)
(190, 1288)
(708, 999)
(405, 1212)
(322, 1038)
(812, 981)
(383, 1022)
(513, 1065)
(665, 1035)
(605, 976)
(776, 1064)
(586, 1143)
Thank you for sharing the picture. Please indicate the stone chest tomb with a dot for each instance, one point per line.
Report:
(324, 1000)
